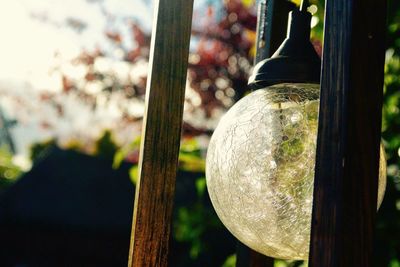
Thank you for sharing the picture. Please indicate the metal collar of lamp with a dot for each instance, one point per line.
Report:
(261, 157)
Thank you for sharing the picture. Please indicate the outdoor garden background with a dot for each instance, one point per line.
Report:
(73, 76)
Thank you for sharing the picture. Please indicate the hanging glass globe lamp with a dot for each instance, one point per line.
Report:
(261, 157)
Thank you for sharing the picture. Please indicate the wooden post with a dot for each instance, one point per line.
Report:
(346, 177)
(161, 133)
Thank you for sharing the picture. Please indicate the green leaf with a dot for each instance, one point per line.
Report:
(230, 261)
(134, 174)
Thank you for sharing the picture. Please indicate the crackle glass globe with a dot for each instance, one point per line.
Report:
(260, 169)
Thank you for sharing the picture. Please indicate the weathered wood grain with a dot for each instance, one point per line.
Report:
(161, 133)
(347, 161)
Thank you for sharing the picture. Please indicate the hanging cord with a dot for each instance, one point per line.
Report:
(304, 5)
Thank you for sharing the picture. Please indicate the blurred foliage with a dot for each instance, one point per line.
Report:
(190, 225)
(218, 69)
(387, 246)
(127, 153)
(282, 263)
(220, 63)
(387, 236)
(190, 156)
(38, 150)
(230, 261)
(9, 172)
(106, 146)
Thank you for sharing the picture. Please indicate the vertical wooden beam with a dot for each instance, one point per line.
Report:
(346, 177)
(161, 133)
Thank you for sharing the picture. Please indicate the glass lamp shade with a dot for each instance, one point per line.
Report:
(260, 169)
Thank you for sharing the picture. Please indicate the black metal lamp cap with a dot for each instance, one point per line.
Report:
(295, 61)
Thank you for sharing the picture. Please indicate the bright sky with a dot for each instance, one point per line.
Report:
(28, 45)
(34, 31)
